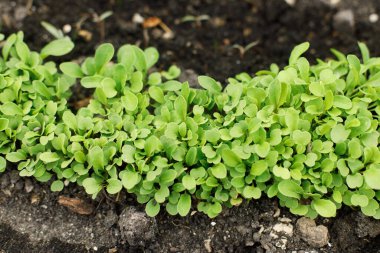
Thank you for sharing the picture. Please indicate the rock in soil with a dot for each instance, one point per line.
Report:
(315, 236)
(136, 227)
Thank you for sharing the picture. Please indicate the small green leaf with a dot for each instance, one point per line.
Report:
(91, 185)
(137, 82)
(262, 149)
(282, 172)
(57, 186)
(359, 200)
(3, 164)
(371, 177)
(157, 94)
(189, 182)
(70, 120)
(161, 195)
(49, 157)
(57, 48)
(130, 179)
(290, 188)
(41, 89)
(168, 176)
(11, 109)
(114, 186)
(342, 102)
(209, 84)
(71, 69)
(301, 137)
(184, 204)
(324, 207)
(130, 101)
(109, 87)
(191, 156)
(250, 192)
(354, 181)
(339, 133)
(259, 167)
(219, 171)
(3, 124)
(230, 158)
(103, 55)
(151, 56)
(180, 107)
(91, 81)
(151, 145)
(297, 52)
(22, 51)
(212, 135)
(95, 157)
(152, 208)
(15, 157)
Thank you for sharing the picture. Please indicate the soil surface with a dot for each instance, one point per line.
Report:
(203, 37)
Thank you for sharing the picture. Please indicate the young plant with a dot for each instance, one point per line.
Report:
(306, 134)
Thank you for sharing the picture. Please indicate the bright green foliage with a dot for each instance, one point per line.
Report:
(307, 134)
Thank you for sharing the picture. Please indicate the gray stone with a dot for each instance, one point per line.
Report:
(136, 227)
(28, 185)
(315, 236)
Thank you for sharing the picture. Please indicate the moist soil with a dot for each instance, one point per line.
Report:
(32, 218)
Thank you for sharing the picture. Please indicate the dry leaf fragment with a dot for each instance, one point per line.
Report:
(76, 205)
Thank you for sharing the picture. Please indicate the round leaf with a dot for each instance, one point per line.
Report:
(324, 207)
(114, 186)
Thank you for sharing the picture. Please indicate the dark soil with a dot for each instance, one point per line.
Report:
(33, 221)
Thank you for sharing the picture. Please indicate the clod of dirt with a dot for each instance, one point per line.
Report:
(28, 185)
(136, 227)
(315, 236)
(366, 226)
(76, 205)
(14, 176)
(4, 181)
(344, 21)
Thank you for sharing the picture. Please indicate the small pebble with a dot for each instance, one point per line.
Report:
(213, 223)
(137, 18)
(66, 28)
(373, 18)
(207, 244)
(291, 2)
(28, 186)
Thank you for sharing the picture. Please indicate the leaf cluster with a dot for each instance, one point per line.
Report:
(306, 134)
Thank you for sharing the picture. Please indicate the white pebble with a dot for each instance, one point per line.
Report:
(213, 223)
(66, 28)
(291, 2)
(373, 18)
(137, 18)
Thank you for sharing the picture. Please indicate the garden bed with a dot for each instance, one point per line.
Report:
(33, 218)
